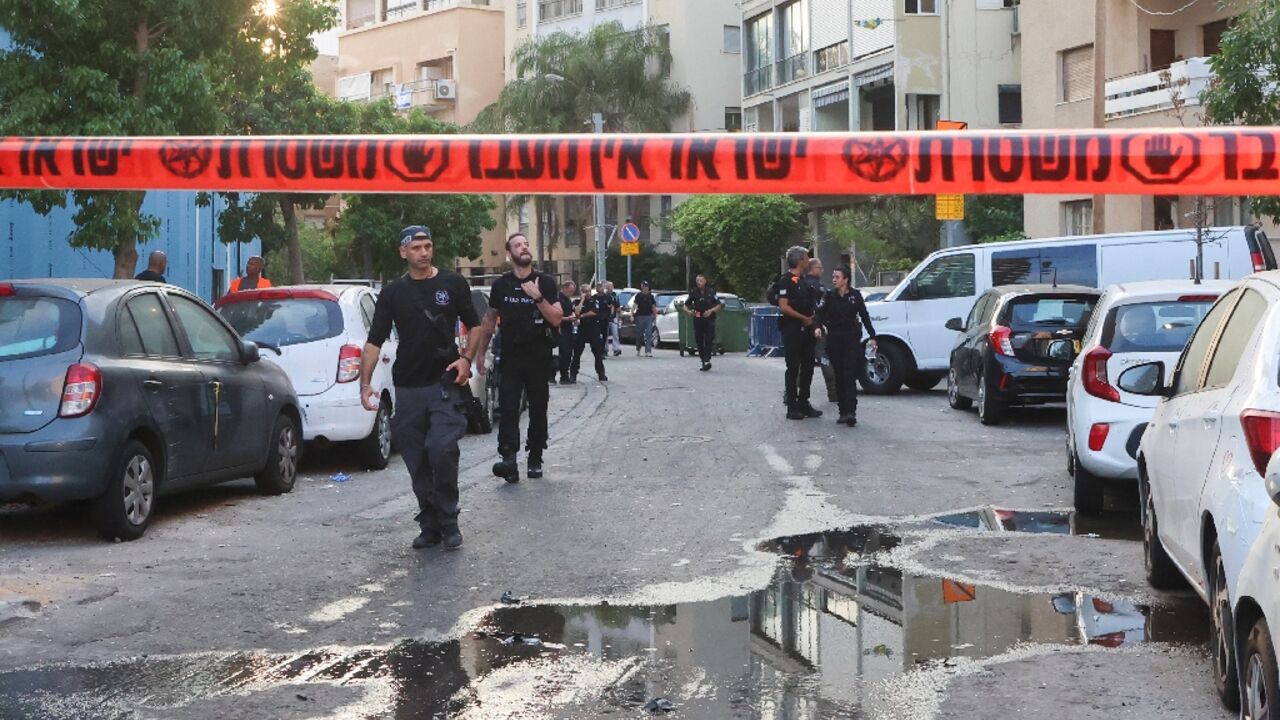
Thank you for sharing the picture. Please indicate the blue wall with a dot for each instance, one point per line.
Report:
(32, 246)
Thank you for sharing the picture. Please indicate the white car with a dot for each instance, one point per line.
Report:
(667, 323)
(319, 333)
(1208, 515)
(1133, 323)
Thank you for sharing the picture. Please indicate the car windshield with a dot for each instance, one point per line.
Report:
(624, 297)
(665, 300)
(1051, 311)
(1153, 326)
(284, 322)
(33, 326)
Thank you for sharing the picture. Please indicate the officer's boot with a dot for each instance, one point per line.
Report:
(535, 464)
(506, 468)
(452, 536)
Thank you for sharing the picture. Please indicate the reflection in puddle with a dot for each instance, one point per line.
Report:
(810, 645)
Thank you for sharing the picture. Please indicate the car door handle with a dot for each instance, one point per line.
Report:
(385, 359)
(152, 384)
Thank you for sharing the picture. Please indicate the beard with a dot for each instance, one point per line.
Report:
(523, 261)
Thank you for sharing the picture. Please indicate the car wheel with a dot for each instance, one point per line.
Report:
(954, 398)
(1089, 492)
(884, 374)
(281, 470)
(923, 381)
(124, 511)
(991, 410)
(375, 450)
(1222, 637)
(1161, 572)
(1260, 680)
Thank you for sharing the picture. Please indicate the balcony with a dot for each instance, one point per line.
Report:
(757, 81)
(1158, 91)
(793, 68)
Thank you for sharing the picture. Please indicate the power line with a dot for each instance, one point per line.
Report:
(1162, 14)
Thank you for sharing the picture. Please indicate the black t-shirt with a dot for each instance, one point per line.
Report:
(702, 300)
(604, 307)
(151, 275)
(566, 305)
(597, 304)
(425, 350)
(801, 295)
(845, 315)
(645, 304)
(522, 321)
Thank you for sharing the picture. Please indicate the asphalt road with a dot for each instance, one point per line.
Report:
(661, 487)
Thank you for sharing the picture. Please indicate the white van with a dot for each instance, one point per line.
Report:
(915, 345)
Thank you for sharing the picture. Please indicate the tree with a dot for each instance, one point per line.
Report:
(886, 231)
(1245, 89)
(737, 241)
(994, 218)
(268, 90)
(562, 79)
(126, 67)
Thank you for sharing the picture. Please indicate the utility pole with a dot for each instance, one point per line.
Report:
(601, 248)
(1100, 99)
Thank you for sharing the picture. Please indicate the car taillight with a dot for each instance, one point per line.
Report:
(1002, 340)
(1110, 640)
(1259, 264)
(1262, 435)
(349, 363)
(1098, 436)
(81, 390)
(6, 290)
(1094, 373)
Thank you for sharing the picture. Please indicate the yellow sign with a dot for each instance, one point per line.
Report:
(630, 248)
(950, 207)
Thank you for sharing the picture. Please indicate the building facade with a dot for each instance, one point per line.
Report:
(443, 56)
(1156, 65)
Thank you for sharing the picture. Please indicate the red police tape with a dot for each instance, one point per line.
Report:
(1205, 161)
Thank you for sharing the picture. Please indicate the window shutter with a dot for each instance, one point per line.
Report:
(1077, 73)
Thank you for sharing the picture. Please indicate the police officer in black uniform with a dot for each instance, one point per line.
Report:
(813, 278)
(843, 314)
(527, 303)
(798, 303)
(568, 330)
(425, 306)
(591, 330)
(702, 305)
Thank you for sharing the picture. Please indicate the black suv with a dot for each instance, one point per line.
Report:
(117, 391)
(1016, 347)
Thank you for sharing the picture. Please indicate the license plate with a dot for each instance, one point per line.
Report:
(1077, 345)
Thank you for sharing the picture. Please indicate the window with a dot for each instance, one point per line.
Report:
(947, 277)
(732, 39)
(1152, 326)
(733, 119)
(1058, 311)
(549, 10)
(522, 13)
(1213, 35)
(209, 339)
(664, 40)
(759, 55)
(34, 326)
(1077, 74)
(147, 317)
(977, 312)
(1010, 98)
(1188, 376)
(922, 7)
(1235, 338)
(1077, 217)
(928, 108)
(831, 57)
(1163, 48)
(367, 305)
(610, 4)
(1070, 265)
(664, 209)
(793, 42)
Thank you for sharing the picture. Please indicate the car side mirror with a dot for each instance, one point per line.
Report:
(1273, 478)
(1146, 379)
(249, 352)
(1062, 350)
(955, 324)
(912, 291)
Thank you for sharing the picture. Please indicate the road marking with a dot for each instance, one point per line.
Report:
(335, 611)
(813, 462)
(776, 461)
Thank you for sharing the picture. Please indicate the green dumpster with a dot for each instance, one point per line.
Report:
(732, 328)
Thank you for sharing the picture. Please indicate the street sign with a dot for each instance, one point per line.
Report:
(630, 233)
(950, 207)
(630, 248)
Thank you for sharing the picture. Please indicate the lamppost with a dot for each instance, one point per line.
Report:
(597, 122)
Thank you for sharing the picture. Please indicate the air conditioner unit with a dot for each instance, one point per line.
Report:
(446, 89)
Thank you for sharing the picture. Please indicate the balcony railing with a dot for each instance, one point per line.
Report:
(792, 68)
(1158, 91)
(395, 12)
(757, 81)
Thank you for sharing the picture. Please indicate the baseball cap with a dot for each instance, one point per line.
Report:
(408, 234)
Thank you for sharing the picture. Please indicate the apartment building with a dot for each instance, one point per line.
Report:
(877, 65)
(705, 38)
(443, 56)
(1156, 60)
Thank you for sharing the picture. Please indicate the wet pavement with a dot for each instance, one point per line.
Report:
(820, 641)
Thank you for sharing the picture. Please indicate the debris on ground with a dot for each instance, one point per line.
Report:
(660, 705)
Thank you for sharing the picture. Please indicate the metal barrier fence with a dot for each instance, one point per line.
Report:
(766, 338)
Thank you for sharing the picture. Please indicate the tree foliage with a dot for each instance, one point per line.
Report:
(737, 241)
(1246, 79)
(886, 231)
(994, 218)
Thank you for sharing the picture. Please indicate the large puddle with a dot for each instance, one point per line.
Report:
(813, 644)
